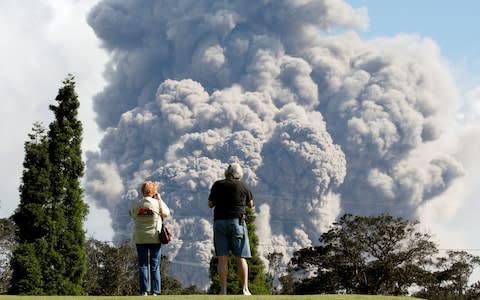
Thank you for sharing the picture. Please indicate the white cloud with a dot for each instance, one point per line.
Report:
(42, 42)
(452, 216)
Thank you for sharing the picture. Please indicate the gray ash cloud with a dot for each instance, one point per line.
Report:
(322, 123)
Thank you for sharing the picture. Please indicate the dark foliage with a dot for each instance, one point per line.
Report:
(379, 255)
(113, 271)
(449, 279)
(275, 271)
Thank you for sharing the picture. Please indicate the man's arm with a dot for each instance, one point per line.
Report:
(249, 202)
(213, 189)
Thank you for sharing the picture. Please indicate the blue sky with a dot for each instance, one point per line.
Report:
(453, 25)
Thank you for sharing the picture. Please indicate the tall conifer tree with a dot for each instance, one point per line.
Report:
(33, 217)
(51, 256)
(65, 138)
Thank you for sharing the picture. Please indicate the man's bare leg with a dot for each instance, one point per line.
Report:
(242, 267)
(222, 273)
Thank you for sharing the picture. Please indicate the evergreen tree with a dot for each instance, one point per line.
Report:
(257, 278)
(33, 217)
(50, 258)
(65, 138)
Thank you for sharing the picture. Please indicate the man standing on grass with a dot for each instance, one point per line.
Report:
(229, 197)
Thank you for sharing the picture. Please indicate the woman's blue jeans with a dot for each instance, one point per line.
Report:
(149, 254)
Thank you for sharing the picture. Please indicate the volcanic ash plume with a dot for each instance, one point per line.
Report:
(322, 124)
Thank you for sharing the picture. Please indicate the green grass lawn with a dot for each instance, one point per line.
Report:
(205, 297)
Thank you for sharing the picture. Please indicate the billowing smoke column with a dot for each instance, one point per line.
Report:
(321, 123)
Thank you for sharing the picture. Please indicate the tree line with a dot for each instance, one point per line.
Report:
(376, 255)
(381, 255)
(44, 250)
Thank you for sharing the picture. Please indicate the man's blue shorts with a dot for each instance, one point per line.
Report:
(230, 235)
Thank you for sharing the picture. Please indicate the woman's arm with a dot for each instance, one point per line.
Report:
(163, 209)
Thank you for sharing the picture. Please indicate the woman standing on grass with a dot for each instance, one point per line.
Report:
(147, 214)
